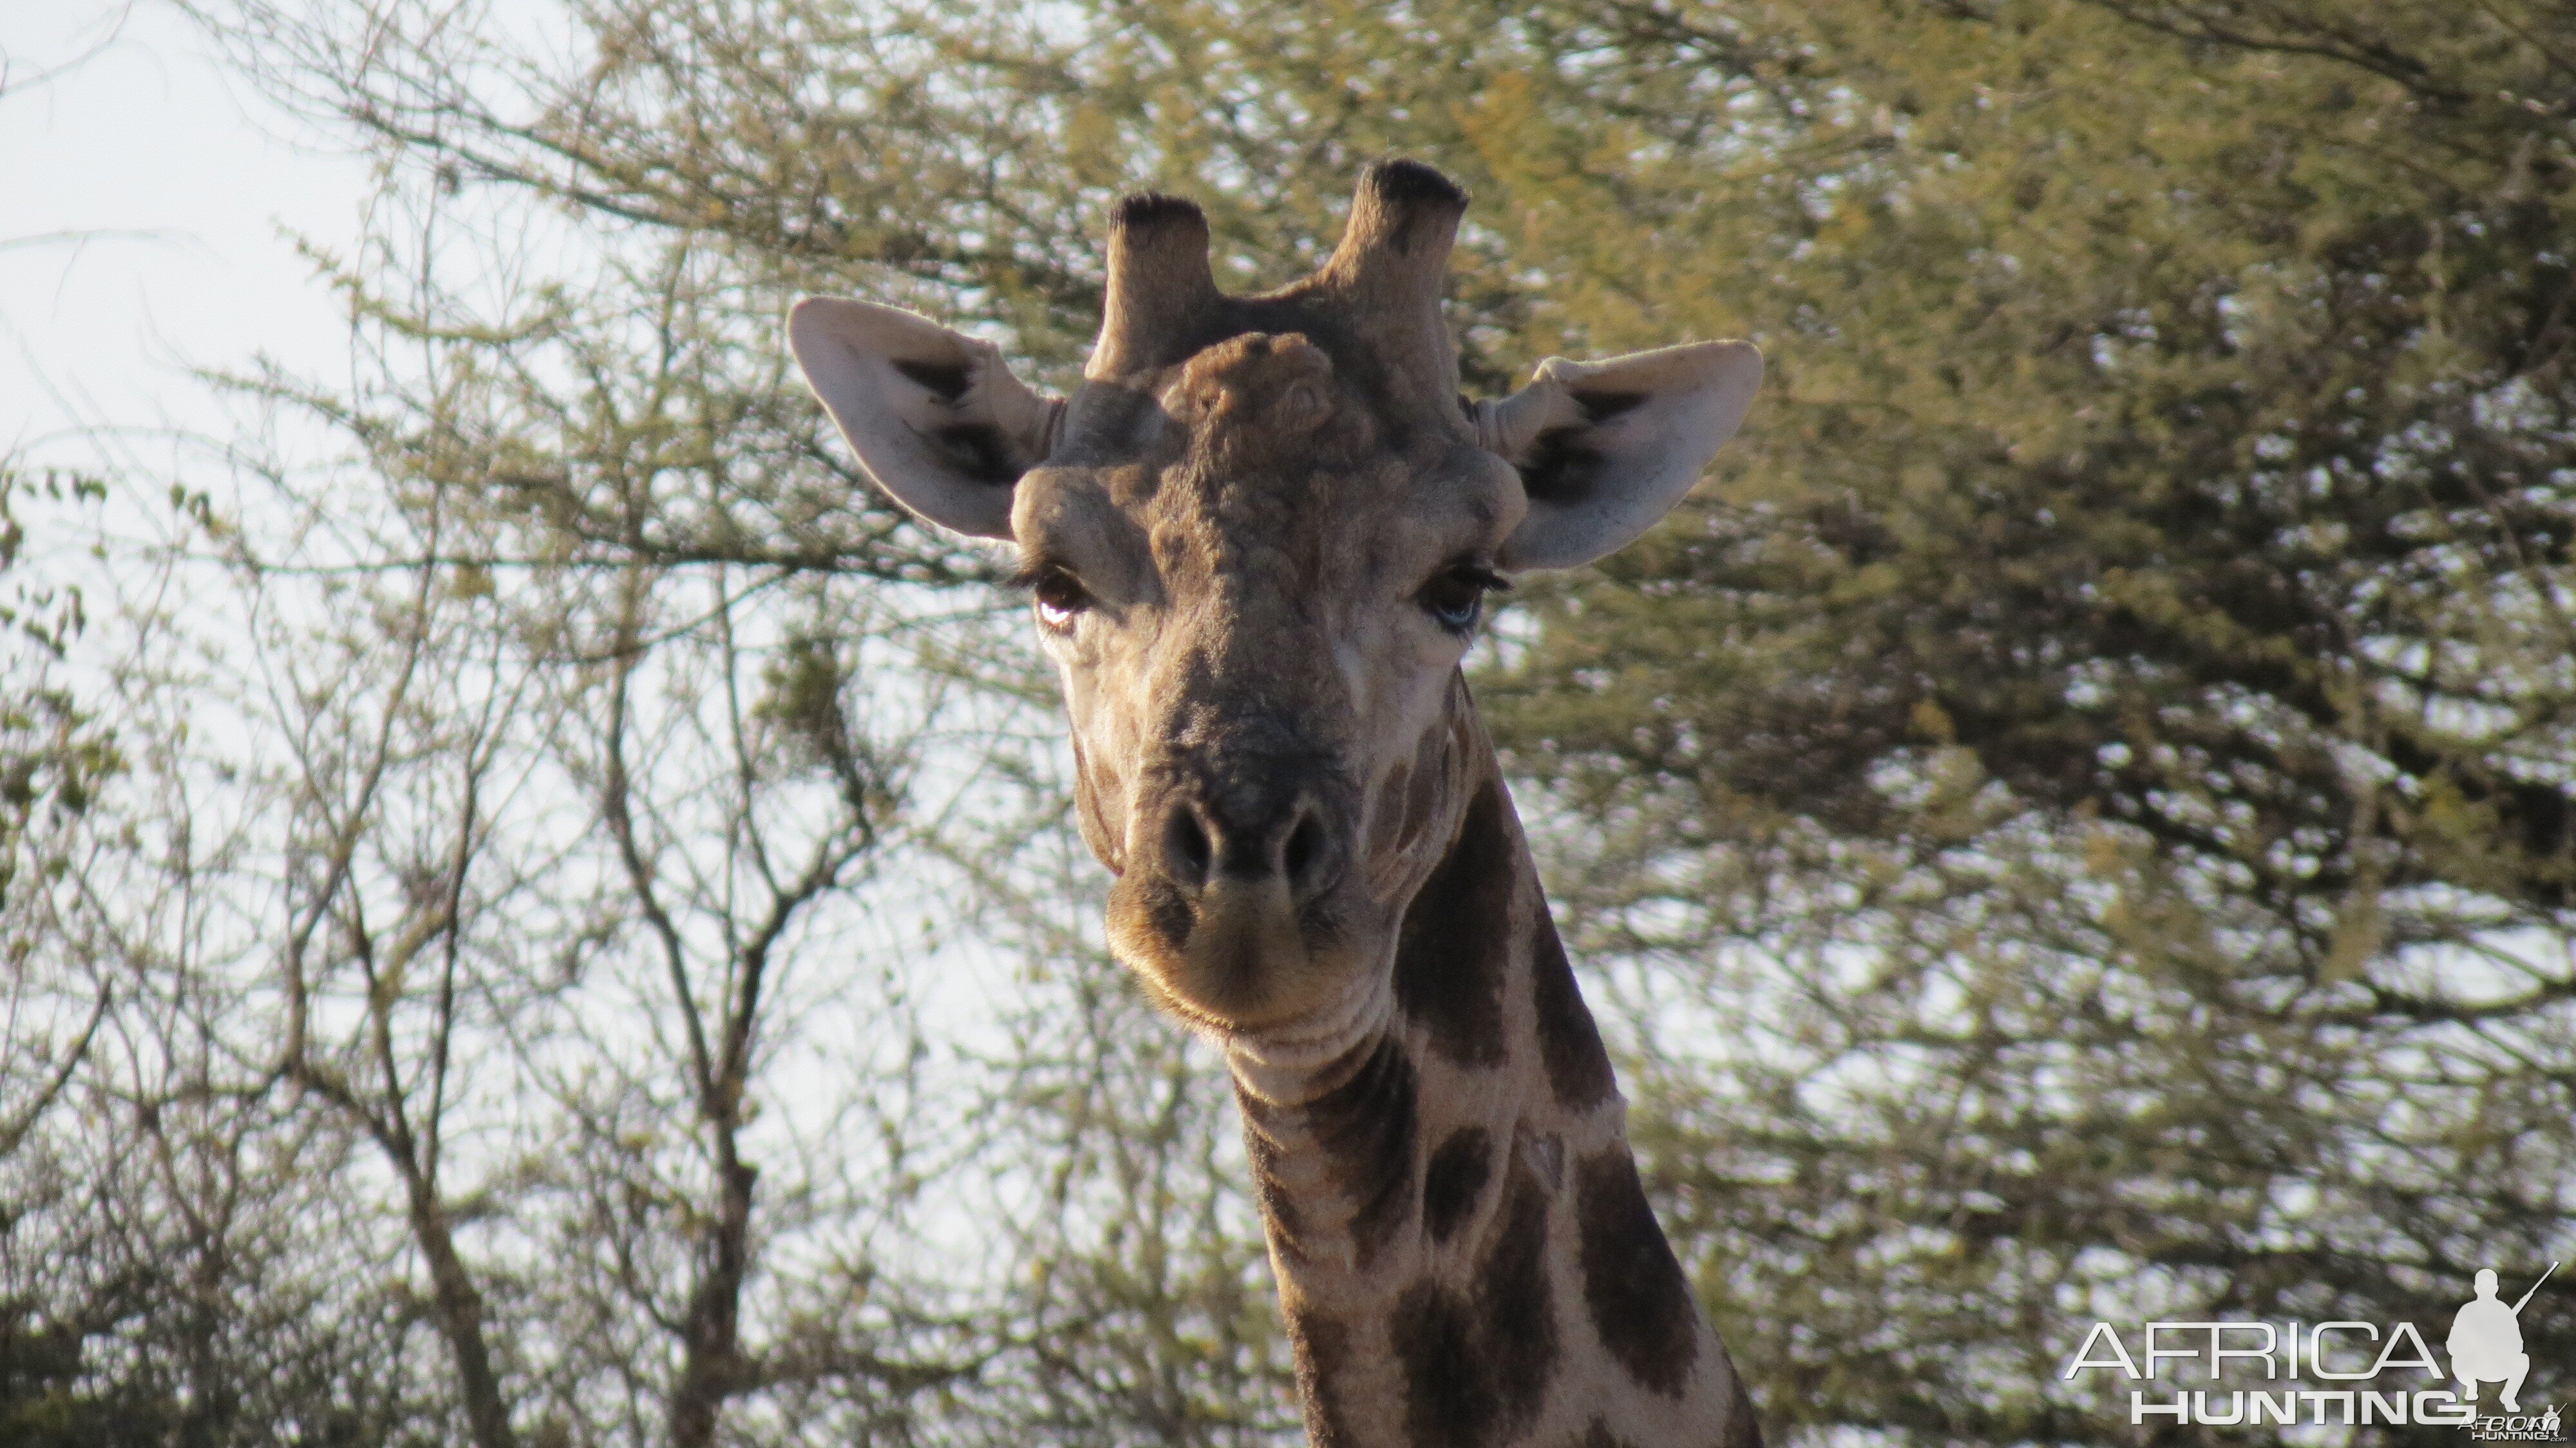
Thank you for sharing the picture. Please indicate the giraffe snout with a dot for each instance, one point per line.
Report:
(1291, 842)
(1234, 905)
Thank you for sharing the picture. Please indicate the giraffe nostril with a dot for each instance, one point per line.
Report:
(1303, 857)
(1187, 851)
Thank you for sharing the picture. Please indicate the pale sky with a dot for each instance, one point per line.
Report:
(190, 185)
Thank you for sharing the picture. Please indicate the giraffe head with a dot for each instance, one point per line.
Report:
(1258, 540)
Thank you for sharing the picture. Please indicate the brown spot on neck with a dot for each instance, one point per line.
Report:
(1743, 1426)
(1320, 1348)
(1578, 1068)
(1454, 1180)
(1452, 956)
(1641, 1305)
(1477, 1367)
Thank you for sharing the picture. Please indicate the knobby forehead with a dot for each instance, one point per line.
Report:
(1263, 455)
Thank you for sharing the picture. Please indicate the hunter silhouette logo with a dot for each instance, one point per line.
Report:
(2486, 1341)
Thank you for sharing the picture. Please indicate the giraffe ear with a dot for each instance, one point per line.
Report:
(935, 416)
(1607, 448)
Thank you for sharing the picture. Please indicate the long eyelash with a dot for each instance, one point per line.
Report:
(1469, 571)
(1030, 573)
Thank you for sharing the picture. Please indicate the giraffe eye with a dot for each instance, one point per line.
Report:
(1059, 598)
(1455, 598)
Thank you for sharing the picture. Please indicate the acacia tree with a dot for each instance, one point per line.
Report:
(2110, 730)
(514, 1046)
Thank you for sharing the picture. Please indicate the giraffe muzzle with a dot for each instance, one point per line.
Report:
(1236, 912)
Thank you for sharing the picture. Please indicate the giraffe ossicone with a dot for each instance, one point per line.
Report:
(1259, 537)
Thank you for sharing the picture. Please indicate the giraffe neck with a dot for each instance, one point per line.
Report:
(1464, 1253)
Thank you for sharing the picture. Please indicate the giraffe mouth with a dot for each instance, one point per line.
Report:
(1239, 954)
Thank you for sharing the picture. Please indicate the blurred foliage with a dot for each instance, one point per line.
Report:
(52, 755)
(2073, 820)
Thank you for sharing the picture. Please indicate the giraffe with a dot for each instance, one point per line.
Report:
(1258, 539)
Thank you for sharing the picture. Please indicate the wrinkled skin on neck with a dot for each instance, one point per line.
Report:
(1240, 564)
